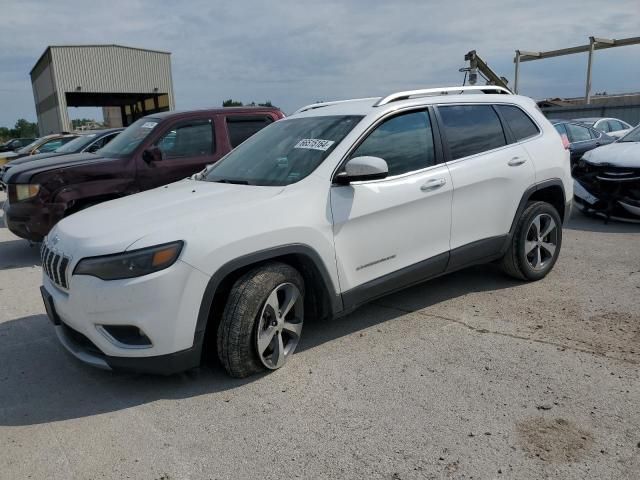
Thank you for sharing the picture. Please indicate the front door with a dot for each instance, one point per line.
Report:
(398, 226)
(187, 147)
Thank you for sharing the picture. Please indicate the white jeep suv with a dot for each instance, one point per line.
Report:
(316, 214)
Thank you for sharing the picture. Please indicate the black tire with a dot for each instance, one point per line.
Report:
(515, 262)
(237, 344)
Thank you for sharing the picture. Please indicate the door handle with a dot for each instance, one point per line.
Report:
(515, 161)
(433, 184)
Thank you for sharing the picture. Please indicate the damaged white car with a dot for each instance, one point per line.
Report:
(607, 179)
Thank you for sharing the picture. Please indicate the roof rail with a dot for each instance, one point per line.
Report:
(326, 104)
(394, 97)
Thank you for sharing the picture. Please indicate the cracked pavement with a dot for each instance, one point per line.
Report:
(472, 375)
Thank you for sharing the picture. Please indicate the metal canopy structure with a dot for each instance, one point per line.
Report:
(129, 82)
(595, 43)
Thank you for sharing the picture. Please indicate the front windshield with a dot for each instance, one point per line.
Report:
(29, 147)
(76, 144)
(632, 136)
(588, 123)
(284, 152)
(127, 141)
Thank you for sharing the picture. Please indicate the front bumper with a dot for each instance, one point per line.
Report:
(84, 350)
(164, 305)
(31, 220)
(608, 190)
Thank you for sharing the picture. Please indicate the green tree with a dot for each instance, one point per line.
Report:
(237, 103)
(5, 133)
(24, 128)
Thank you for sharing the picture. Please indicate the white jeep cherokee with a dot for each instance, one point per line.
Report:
(316, 214)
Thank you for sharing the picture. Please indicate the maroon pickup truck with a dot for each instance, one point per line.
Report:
(155, 150)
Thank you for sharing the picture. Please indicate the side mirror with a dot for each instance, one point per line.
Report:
(362, 168)
(152, 154)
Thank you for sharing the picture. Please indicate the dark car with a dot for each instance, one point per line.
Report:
(155, 150)
(581, 137)
(87, 142)
(15, 144)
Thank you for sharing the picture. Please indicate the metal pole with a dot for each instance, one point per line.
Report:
(517, 74)
(587, 94)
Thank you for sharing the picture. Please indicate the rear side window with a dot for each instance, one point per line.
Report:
(241, 127)
(519, 122)
(604, 126)
(193, 139)
(471, 129)
(405, 142)
(577, 133)
(616, 125)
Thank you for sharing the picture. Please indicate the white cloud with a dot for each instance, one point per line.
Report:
(295, 52)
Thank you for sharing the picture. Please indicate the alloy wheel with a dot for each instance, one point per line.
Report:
(279, 325)
(541, 241)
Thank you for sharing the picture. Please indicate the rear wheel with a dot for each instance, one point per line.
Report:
(535, 244)
(262, 320)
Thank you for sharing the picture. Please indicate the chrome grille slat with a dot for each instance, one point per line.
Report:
(55, 266)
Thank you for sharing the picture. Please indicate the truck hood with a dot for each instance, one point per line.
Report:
(618, 154)
(32, 158)
(171, 212)
(29, 166)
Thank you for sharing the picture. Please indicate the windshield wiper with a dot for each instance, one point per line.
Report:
(229, 180)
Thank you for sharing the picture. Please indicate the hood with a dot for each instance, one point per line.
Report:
(5, 156)
(171, 211)
(31, 158)
(29, 166)
(618, 154)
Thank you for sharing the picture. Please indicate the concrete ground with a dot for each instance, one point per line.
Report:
(469, 376)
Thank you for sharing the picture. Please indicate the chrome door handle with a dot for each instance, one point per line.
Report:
(515, 161)
(433, 184)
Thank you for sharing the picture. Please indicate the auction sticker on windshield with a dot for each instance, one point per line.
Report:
(149, 125)
(314, 144)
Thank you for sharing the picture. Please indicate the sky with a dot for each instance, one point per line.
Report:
(295, 52)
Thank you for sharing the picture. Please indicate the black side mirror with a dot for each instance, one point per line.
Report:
(152, 154)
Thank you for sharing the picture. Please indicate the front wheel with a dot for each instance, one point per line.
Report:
(535, 244)
(262, 320)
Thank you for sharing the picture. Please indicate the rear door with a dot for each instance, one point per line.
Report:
(490, 170)
(187, 146)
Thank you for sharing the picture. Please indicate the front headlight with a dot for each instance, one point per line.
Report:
(130, 264)
(26, 191)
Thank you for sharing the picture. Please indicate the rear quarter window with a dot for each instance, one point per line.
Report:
(520, 124)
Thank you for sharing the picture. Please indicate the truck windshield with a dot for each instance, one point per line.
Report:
(127, 141)
(284, 152)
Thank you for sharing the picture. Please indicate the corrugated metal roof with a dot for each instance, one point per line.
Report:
(93, 46)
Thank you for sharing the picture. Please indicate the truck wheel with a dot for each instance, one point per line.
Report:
(535, 244)
(262, 320)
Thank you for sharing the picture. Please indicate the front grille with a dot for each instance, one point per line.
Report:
(55, 266)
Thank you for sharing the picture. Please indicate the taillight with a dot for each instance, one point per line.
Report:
(565, 141)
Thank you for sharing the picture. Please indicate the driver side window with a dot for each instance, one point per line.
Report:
(192, 139)
(405, 142)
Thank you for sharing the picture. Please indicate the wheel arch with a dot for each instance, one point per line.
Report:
(550, 191)
(322, 298)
